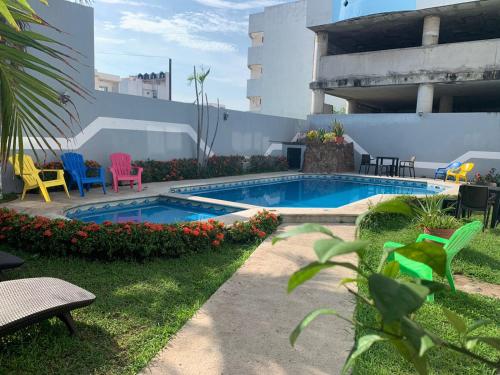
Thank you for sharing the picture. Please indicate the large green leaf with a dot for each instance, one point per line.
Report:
(416, 336)
(364, 343)
(411, 355)
(308, 320)
(391, 269)
(311, 270)
(328, 248)
(478, 324)
(395, 299)
(428, 253)
(494, 342)
(303, 229)
(456, 321)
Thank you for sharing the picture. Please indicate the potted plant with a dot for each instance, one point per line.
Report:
(338, 132)
(329, 138)
(434, 219)
(491, 179)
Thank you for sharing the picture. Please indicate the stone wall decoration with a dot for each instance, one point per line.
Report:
(328, 158)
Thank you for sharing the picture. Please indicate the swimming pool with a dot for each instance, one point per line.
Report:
(159, 210)
(308, 191)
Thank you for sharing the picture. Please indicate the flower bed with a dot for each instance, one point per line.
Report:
(109, 241)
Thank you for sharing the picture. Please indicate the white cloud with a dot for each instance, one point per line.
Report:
(106, 40)
(107, 25)
(186, 29)
(244, 5)
(131, 3)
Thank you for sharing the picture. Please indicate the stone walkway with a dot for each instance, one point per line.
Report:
(244, 327)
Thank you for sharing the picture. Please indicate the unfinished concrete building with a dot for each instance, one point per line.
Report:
(406, 56)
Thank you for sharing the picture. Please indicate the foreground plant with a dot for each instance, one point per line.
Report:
(31, 104)
(394, 301)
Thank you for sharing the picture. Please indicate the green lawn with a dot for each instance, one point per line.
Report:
(139, 306)
(481, 261)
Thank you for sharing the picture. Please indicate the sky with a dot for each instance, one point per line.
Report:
(138, 36)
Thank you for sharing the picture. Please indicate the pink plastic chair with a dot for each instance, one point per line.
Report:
(121, 169)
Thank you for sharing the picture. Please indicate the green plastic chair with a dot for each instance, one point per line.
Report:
(459, 240)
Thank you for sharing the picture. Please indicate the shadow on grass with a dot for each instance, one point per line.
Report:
(478, 258)
(138, 307)
(47, 348)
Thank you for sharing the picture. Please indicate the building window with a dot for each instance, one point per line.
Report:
(103, 88)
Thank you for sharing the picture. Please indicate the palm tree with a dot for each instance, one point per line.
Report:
(31, 106)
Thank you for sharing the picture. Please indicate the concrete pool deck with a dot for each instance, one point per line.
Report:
(244, 327)
(34, 205)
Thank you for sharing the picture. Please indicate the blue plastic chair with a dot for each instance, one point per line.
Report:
(441, 172)
(75, 166)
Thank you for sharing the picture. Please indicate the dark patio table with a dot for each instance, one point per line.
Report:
(394, 166)
(496, 207)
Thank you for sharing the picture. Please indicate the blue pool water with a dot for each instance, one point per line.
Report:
(308, 193)
(159, 212)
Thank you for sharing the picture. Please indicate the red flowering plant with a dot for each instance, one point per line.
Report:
(256, 229)
(113, 241)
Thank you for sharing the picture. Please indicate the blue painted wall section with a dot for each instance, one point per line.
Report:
(346, 9)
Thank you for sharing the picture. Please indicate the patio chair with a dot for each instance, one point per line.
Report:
(29, 301)
(407, 164)
(76, 168)
(9, 261)
(458, 241)
(31, 177)
(441, 172)
(460, 173)
(366, 161)
(474, 198)
(121, 169)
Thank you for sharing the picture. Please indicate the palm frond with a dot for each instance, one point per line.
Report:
(30, 102)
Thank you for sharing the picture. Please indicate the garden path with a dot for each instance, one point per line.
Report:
(245, 326)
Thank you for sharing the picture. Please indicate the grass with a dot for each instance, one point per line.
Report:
(139, 306)
(480, 261)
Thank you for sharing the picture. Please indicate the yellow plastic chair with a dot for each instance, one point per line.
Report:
(461, 172)
(32, 180)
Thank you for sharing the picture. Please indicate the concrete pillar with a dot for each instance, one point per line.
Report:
(425, 98)
(320, 50)
(446, 104)
(352, 107)
(430, 36)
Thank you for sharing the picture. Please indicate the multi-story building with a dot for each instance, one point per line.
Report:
(406, 56)
(280, 60)
(106, 82)
(150, 85)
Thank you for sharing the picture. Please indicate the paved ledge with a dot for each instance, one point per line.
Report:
(34, 205)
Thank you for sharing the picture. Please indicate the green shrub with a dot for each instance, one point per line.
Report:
(262, 164)
(110, 241)
(186, 169)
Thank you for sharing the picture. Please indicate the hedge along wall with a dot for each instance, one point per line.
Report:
(217, 166)
(110, 241)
